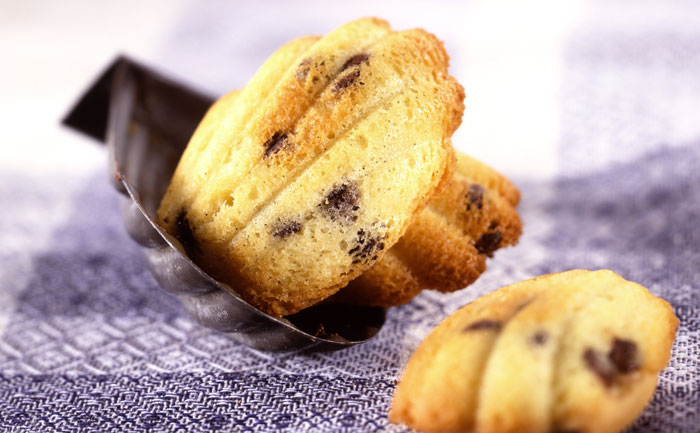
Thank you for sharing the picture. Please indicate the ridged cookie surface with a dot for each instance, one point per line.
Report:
(294, 186)
(577, 351)
(446, 246)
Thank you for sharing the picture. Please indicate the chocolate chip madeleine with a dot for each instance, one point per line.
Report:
(446, 246)
(303, 180)
(578, 351)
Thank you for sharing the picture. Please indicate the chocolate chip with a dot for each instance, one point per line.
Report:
(342, 202)
(474, 197)
(287, 229)
(366, 246)
(303, 69)
(624, 355)
(488, 243)
(484, 325)
(346, 81)
(622, 359)
(540, 338)
(369, 246)
(600, 366)
(361, 236)
(355, 60)
(183, 232)
(275, 143)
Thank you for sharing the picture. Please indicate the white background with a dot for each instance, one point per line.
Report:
(506, 54)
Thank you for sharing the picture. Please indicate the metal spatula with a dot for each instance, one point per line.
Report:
(146, 120)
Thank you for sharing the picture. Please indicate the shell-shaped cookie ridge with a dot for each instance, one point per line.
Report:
(289, 181)
(446, 246)
(577, 355)
(338, 118)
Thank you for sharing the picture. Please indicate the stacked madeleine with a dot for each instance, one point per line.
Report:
(333, 169)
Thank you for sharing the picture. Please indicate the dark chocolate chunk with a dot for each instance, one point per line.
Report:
(373, 244)
(183, 232)
(361, 236)
(369, 246)
(355, 60)
(484, 325)
(600, 365)
(624, 355)
(346, 81)
(303, 69)
(342, 202)
(488, 243)
(287, 229)
(474, 197)
(540, 338)
(275, 143)
(366, 246)
(621, 359)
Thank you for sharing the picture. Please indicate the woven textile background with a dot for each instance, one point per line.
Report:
(592, 109)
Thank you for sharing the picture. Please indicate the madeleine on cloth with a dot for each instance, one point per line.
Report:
(577, 351)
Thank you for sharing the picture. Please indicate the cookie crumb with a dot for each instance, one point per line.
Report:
(320, 331)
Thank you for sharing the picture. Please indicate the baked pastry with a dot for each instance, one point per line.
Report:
(446, 246)
(296, 185)
(577, 351)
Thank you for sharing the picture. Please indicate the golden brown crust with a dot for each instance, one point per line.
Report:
(576, 351)
(298, 184)
(446, 246)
